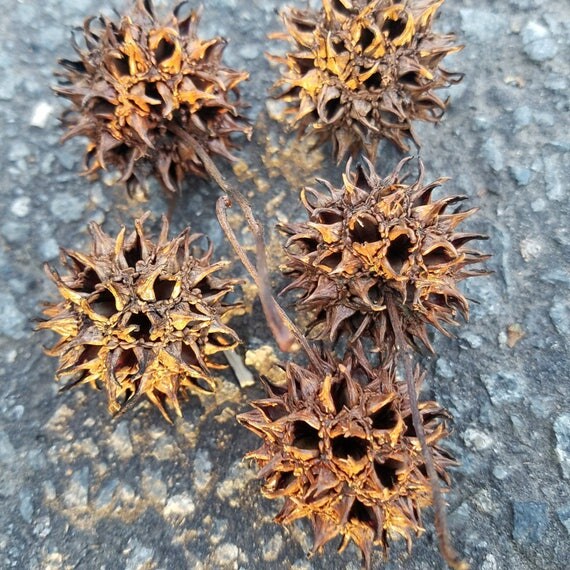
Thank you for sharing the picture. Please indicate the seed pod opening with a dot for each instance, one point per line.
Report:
(376, 238)
(141, 318)
(362, 71)
(145, 92)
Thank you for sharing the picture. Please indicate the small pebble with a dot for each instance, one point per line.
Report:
(202, 470)
(521, 175)
(562, 432)
(120, 441)
(530, 249)
(250, 51)
(503, 387)
(530, 520)
(538, 43)
(560, 316)
(493, 155)
(538, 205)
(500, 473)
(21, 206)
(477, 439)
(273, 548)
(7, 451)
(444, 369)
(490, 563)
(141, 558)
(49, 491)
(67, 207)
(153, 487)
(12, 320)
(77, 493)
(226, 554)
(26, 507)
(522, 117)
(179, 506)
(41, 114)
(49, 249)
(106, 494)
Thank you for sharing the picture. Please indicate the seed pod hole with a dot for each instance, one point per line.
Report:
(385, 418)
(365, 230)
(163, 289)
(104, 304)
(165, 50)
(305, 436)
(143, 324)
(399, 252)
(363, 514)
(387, 472)
(345, 447)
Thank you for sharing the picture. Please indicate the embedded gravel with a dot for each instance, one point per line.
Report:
(78, 490)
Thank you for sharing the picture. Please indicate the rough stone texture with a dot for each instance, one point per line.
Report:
(562, 432)
(530, 521)
(160, 496)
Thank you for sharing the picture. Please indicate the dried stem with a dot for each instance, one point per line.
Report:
(279, 315)
(273, 313)
(172, 199)
(448, 552)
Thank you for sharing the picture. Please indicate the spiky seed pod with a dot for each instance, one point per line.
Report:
(139, 82)
(140, 318)
(363, 71)
(375, 241)
(339, 446)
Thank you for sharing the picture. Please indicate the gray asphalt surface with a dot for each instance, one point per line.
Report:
(78, 490)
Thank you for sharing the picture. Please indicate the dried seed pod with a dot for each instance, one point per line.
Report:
(339, 446)
(139, 84)
(377, 238)
(363, 71)
(141, 318)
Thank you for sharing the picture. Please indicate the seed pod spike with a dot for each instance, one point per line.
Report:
(135, 76)
(359, 72)
(140, 318)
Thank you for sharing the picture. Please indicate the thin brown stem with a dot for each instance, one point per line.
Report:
(276, 312)
(448, 552)
(172, 199)
(278, 326)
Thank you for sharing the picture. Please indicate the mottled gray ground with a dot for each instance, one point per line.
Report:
(80, 491)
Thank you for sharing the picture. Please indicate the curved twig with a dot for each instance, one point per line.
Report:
(276, 318)
(448, 552)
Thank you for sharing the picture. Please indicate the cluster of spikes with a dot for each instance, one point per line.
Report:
(361, 71)
(374, 239)
(140, 318)
(340, 448)
(345, 442)
(377, 261)
(145, 93)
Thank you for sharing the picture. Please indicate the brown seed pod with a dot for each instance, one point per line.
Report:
(141, 318)
(363, 71)
(339, 446)
(138, 84)
(377, 239)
